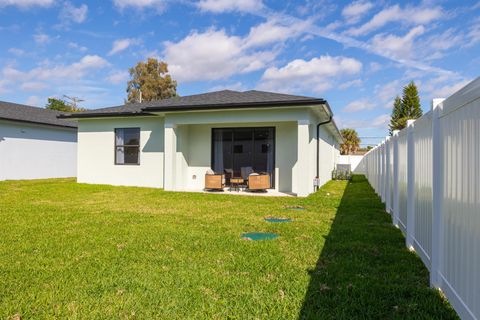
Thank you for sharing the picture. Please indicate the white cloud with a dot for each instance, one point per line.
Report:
(274, 31)
(386, 93)
(57, 73)
(473, 35)
(212, 55)
(33, 101)
(219, 6)
(437, 88)
(122, 44)
(24, 4)
(33, 86)
(80, 78)
(16, 51)
(397, 47)
(348, 41)
(316, 74)
(379, 122)
(76, 46)
(118, 76)
(152, 54)
(70, 13)
(382, 97)
(351, 83)
(356, 10)
(158, 5)
(42, 38)
(409, 15)
(374, 66)
(439, 44)
(3, 86)
(359, 105)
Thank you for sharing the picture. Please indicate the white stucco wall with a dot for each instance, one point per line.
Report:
(30, 151)
(328, 154)
(96, 157)
(182, 168)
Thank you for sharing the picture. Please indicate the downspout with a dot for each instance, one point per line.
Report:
(318, 147)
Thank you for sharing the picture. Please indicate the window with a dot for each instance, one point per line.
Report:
(127, 146)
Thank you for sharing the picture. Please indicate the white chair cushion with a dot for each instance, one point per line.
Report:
(246, 171)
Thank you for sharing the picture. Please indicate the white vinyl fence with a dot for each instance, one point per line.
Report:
(428, 175)
(356, 163)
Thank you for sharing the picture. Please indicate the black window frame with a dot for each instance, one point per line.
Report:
(126, 145)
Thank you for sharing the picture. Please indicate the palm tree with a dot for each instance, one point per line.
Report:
(351, 141)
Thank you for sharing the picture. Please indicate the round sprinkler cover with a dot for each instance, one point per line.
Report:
(259, 236)
(277, 220)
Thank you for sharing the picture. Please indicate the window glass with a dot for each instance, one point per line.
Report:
(127, 145)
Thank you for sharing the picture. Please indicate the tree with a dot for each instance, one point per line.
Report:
(351, 141)
(411, 108)
(150, 81)
(406, 108)
(62, 105)
(396, 120)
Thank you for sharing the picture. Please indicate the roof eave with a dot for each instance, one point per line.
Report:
(40, 123)
(103, 115)
(262, 104)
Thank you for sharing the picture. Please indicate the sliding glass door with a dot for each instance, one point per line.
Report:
(237, 148)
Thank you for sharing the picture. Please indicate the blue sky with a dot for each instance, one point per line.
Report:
(357, 55)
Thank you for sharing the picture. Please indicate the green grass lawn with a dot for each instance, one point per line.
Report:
(71, 250)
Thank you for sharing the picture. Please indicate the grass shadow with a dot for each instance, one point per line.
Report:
(365, 271)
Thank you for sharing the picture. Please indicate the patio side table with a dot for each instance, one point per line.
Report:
(236, 183)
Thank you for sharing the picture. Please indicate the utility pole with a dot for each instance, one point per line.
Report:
(73, 101)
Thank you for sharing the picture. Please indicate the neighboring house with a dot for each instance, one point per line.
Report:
(172, 143)
(35, 144)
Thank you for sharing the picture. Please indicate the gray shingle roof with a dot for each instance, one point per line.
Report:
(213, 100)
(227, 98)
(23, 113)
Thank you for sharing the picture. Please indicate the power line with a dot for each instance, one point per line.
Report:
(372, 137)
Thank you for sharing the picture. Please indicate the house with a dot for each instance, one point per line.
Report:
(172, 143)
(35, 144)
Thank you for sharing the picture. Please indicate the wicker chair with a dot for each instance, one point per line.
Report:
(257, 182)
(214, 181)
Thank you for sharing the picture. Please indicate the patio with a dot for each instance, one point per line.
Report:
(267, 193)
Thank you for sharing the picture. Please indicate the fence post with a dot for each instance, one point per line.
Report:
(410, 184)
(377, 170)
(388, 201)
(437, 194)
(382, 173)
(396, 207)
(384, 163)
